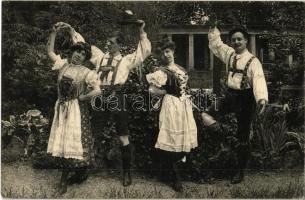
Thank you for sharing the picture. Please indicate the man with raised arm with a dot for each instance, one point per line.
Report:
(247, 88)
(113, 70)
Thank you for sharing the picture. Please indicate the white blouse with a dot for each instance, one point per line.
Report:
(92, 79)
(159, 78)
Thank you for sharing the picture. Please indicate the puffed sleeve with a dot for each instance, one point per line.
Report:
(97, 56)
(157, 78)
(92, 79)
(59, 63)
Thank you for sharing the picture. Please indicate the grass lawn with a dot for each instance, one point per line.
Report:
(20, 180)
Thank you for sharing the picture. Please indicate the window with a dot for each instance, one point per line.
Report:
(201, 52)
(181, 52)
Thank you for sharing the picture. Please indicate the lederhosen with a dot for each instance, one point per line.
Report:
(111, 93)
(242, 103)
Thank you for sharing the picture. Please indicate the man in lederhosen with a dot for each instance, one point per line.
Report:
(113, 70)
(247, 88)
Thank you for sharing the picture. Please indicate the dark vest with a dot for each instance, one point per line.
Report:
(172, 85)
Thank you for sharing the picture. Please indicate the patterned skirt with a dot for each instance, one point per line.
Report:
(87, 142)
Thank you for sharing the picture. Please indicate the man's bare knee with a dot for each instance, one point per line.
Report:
(124, 140)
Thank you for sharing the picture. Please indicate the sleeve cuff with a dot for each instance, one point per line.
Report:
(214, 34)
(59, 63)
(143, 35)
(76, 37)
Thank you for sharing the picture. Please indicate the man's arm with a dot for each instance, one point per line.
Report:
(216, 45)
(143, 49)
(260, 90)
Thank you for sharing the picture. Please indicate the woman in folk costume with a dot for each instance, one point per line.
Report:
(70, 140)
(177, 127)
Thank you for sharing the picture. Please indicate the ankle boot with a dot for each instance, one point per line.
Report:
(127, 152)
(177, 185)
(238, 177)
(62, 188)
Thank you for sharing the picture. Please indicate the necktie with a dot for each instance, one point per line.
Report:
(234, 65)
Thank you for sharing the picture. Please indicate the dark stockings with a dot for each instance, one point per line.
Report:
(62, 188)
(168, 168)
(127, 152)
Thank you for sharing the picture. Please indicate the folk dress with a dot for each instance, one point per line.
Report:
(177, 127)
(71, 141)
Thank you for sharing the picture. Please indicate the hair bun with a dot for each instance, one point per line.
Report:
(166, 42)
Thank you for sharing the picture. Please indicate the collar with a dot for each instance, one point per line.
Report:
(117, 57)
(245, 53)
(176, 69)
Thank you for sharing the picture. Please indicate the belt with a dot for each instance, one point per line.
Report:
(112, 89)
(248, 90)
(116, 88)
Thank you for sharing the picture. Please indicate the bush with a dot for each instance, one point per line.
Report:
(271, 144)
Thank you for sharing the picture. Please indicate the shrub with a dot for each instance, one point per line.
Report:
(271, 143)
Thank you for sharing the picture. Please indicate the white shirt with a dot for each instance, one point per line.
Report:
(255, 72)
(127, 63)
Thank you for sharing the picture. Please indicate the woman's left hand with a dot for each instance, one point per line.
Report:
(81, 98)
(142, 24)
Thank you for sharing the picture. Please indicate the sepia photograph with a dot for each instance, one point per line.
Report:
(152, 99)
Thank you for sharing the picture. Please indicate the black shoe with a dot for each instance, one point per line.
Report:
(177, 186)
(127, 179)
(62, 186)
(61, 190)
(238, 177)
(77, 178)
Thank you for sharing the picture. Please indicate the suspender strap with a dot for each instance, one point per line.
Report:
(106, 69)
(247, 65)
(245, 80)
(115, 72)
(98, 69)
(228, 67)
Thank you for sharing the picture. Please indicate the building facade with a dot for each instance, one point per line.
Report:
(192, 52)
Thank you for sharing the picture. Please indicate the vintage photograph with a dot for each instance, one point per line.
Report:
(152, 99)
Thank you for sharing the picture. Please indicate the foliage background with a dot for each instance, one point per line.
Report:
(28, 82)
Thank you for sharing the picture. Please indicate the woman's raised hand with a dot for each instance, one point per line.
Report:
(61, 25)
(142, 25)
